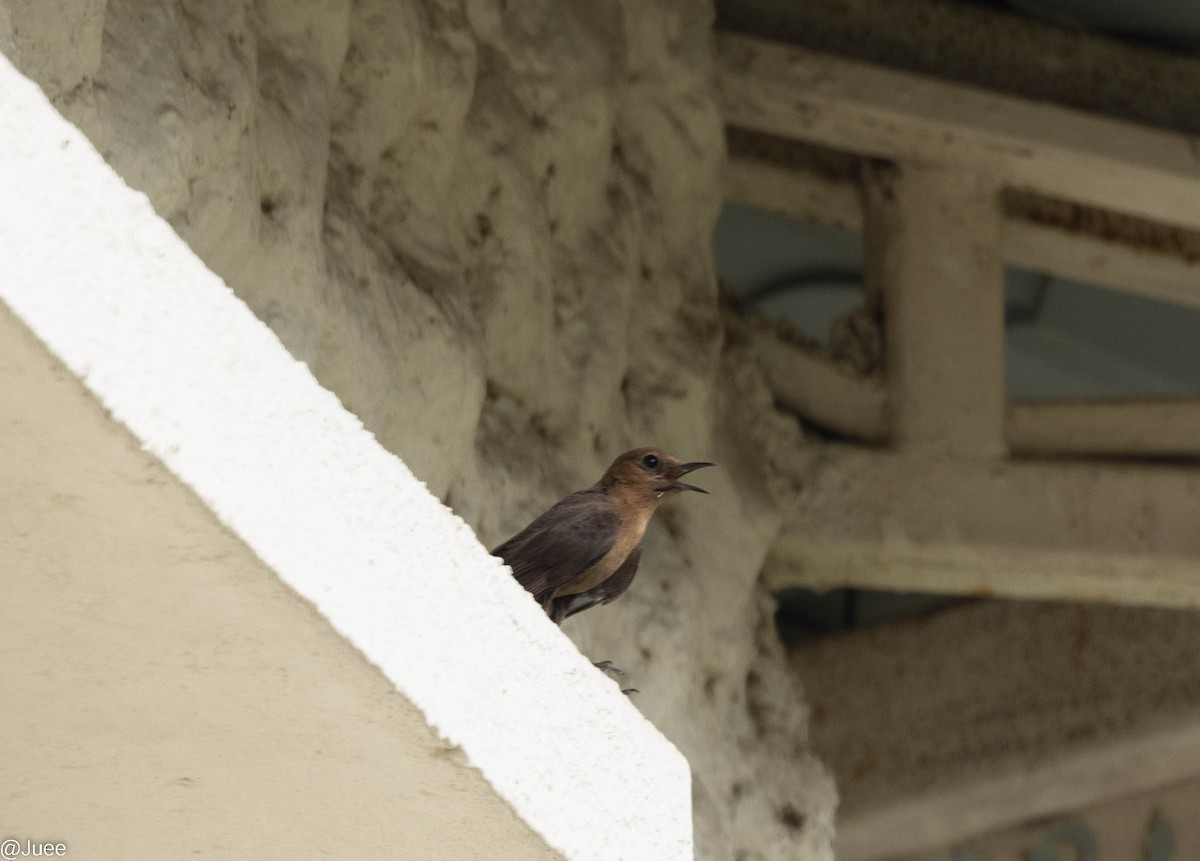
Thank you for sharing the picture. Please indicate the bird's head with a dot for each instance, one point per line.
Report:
(651, 472)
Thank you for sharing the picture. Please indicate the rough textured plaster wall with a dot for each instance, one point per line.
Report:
(485, 225)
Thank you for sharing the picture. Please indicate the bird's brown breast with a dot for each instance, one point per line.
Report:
(633, 527)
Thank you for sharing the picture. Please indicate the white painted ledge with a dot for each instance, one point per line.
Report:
(178, 359)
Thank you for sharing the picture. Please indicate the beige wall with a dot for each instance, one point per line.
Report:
(164, 695)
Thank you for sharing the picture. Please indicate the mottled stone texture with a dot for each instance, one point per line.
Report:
(485, 225)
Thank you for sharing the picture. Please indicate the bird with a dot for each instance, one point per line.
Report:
(584, 550)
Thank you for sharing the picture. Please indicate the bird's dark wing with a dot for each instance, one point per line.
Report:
(607, 592)
(561, 543)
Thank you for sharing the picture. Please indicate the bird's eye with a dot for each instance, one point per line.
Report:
(650, 461)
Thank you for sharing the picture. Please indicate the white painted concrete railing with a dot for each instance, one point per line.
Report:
(206, 387)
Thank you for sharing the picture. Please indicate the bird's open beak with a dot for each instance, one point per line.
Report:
(683, 469)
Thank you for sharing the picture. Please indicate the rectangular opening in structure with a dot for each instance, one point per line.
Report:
(1071, 341)
(807, 275)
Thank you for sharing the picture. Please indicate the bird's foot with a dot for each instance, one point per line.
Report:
(610, 669)
(616, 674)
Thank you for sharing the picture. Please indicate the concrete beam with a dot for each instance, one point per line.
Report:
(845, 104)
(1169, 428)
(932, 238)
(1075, 256)
(1090, 259)
(823, 392)
(1085, 531)
(850, 405)
(839, 400)
(793, 192)
(991, 46)
(1158, 824)
(999, 713)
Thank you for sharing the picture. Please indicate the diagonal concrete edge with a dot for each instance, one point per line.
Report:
(207, 388)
